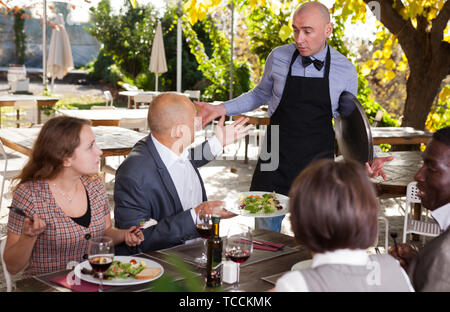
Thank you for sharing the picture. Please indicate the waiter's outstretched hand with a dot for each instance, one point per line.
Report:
(376, 168)
(208, 112)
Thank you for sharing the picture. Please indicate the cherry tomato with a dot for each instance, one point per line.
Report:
(133, 261)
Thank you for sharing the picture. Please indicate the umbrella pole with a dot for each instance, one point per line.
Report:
(53, 84)
(156, 82)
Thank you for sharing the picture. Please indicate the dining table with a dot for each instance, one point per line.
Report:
(258, 274)
(130, 94)
(106, 117)
(10, 99)
(113, 141)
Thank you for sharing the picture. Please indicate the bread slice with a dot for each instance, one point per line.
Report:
(148, 273)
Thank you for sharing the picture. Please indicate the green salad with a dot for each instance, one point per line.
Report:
(267, 203)
(124, 269)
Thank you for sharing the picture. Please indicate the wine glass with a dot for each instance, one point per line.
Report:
(238, 248)
(100, 255)
(203, 223)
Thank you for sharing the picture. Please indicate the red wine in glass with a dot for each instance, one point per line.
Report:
(238, 255)
(204, 230)
(100, 263)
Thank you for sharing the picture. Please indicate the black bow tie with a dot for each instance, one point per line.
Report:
(306, 60)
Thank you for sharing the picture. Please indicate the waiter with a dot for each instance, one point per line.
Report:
(302, 82)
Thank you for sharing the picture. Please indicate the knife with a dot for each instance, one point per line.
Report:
(20, 212)
(147, 224)
(265, 244)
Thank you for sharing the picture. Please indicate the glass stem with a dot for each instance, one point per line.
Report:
(100, 288)
(238, 271)
(204, 248)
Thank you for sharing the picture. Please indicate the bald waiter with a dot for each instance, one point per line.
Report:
(302, 82)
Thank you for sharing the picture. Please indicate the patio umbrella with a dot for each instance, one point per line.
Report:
(158, 63)
(60, 59)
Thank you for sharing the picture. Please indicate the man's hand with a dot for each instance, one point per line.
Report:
(209, 112)
(214, 207)
(376, 168)
(231, 133)
(404, 254)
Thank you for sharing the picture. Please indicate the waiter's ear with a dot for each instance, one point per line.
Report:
(328, 29)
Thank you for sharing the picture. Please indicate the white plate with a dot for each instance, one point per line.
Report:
(118, 281)
(233, 205)
(302, 265)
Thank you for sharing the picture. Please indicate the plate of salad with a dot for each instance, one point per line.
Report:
(124, 270)
(259, 204)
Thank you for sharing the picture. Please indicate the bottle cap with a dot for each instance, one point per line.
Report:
(215, 219)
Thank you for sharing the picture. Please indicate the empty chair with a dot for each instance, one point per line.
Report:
(26, 113)
(109, 98)
(6, 175)
(142, 100)
(193, 94)
(5, 271)
(421, 227)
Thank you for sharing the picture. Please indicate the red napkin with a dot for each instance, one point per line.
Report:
(266, 247)
(82, 287)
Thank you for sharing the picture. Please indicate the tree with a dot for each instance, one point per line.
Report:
(418, 26)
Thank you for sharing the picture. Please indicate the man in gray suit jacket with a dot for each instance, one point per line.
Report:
(159, 179)
(429, 270)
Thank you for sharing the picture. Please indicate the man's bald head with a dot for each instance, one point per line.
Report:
(167, 110)
(307, 7)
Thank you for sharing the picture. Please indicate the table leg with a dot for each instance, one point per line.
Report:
(247, 140)
(17, 118)
(416, 216)
(39, 115)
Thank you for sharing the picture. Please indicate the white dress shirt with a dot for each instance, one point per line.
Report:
(183, 174)
(294, 281)
(442, 216)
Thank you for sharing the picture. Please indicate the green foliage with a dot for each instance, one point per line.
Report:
(190, 283)
(215, 65)
(264, 26)
(127, 42)
(19, 35)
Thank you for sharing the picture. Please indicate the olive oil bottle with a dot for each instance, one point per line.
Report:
(214, 254)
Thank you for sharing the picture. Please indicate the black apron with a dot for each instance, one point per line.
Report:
(305, 130)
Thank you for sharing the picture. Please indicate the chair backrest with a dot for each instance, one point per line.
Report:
(411, 193)
(129, 87)
(194, 94)
(109, 98)
(142, 99)
(31, 110)
(16, 72)
(5, 270)
(5, 157)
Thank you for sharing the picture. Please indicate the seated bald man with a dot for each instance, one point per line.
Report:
(159, 178)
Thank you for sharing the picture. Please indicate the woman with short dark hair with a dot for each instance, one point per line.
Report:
(334, 212)
(64, 199)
